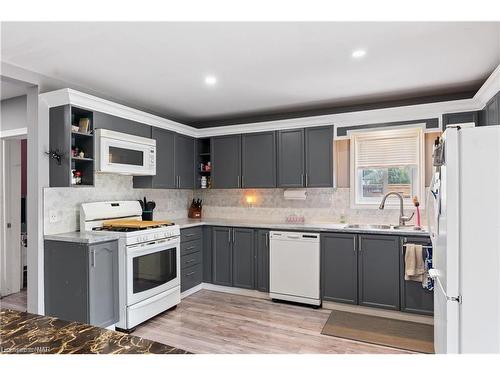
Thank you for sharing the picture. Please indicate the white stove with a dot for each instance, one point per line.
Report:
(149, 260)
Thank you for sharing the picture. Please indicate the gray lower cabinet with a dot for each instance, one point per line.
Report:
(165, 165)
(243, 258)
(184, 162)
(319, 157)
(192, 252)
(262, 260)
(222, 256)
(207, 254)
(226, 159)
(414, 298)
(378, 269)
(81, 282)
(339, 268)
(291, 164)
(233, 257)
(258, 160)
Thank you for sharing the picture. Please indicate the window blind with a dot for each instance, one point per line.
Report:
(387, 148)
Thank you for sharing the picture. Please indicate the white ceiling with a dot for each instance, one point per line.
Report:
(260, 67)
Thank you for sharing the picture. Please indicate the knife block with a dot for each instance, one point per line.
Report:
(194, 213)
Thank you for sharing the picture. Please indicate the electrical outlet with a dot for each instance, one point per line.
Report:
(53, 216)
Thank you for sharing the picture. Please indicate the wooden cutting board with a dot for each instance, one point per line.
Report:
(139, 224)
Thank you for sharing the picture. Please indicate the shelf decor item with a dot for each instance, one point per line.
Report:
(84, 125)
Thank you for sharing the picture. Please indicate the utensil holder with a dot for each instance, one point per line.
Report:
(147, 215)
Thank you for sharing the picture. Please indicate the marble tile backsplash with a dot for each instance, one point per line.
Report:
(321, 205)
(66, 201)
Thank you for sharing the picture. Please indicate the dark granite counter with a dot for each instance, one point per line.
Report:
(24, 333)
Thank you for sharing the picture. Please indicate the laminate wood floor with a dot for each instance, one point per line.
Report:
(16, 301)
(215, 322)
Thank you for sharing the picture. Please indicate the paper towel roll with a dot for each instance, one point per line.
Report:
(295, 194)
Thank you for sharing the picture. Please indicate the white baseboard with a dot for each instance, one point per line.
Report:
(326, 304)
(194, 289)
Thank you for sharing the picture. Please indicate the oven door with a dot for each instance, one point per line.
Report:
(152, 268)
(126, 157)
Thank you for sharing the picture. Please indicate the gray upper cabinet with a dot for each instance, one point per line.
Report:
(81, 282)
(378, 268)
(262, 260)
(226, 158)
(492, 111)
(291, 163)
(460, 118)
(414, 298)
(119, 124)
(222, 257)
(165, 164)
(184, 162)
(258, 161)
(339, 268)
(243, 258)
(319, 156)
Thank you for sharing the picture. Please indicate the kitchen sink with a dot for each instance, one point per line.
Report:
(368, 226)
(382, 227)
(406, 227)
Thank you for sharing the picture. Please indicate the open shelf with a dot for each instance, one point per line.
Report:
(67, 141)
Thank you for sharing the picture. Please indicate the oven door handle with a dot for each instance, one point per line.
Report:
(153, 246)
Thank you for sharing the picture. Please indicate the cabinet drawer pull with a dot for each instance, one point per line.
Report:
(190, 248)
(190, 234)
(190, 260)
(190, 273)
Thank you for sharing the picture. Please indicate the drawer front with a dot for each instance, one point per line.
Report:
(191, 259)
(190, 234)
(191, 247)
(191, 277)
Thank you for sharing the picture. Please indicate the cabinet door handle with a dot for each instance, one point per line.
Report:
(190, 248)
(239, 181)
(190, 273)
(190, 260)
(93, 258)
(307, 180)
(179, 184)
(190, 234)
(354, 244)
(302, 179)
(229, 236)
(233, 235)
(267, 240)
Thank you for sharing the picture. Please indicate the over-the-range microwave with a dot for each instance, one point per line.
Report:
(125, 153)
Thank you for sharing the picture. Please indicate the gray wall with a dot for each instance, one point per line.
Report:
(13, 113)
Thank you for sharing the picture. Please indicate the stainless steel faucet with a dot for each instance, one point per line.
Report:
(402, 218)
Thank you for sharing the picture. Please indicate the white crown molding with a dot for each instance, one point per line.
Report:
(80, 99)
(374, 116)
(13, 133)
(488, 89)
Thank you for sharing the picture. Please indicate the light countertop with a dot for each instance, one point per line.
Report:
(313, 226)
(83, 237)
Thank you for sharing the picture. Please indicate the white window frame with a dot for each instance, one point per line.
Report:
(392, 202)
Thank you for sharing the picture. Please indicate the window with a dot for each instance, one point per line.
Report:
(386, 160)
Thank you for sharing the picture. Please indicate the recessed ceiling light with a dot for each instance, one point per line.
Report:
(358, 53)
(210, 80)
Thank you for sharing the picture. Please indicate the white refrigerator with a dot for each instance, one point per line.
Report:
(463, 207)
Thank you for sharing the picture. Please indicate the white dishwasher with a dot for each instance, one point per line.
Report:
(294, 267)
